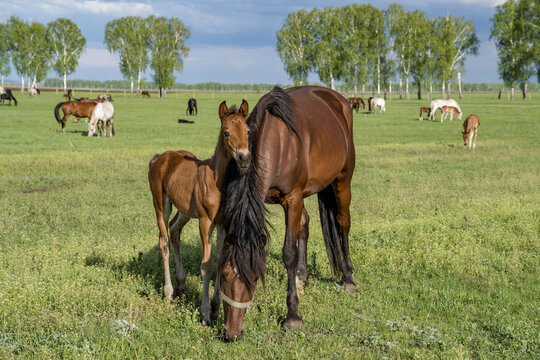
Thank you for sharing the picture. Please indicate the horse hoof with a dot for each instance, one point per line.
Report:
(205, 324)
(293, 324)
(348, 287)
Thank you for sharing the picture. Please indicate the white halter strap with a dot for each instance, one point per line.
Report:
(236, 304)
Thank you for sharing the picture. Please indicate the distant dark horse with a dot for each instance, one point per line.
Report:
(301, 143)
(8, 96)
(191, 105)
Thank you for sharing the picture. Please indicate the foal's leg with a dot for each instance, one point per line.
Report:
(293, 205)
(177, 224)
(475, 135)
(301, 269)
(471, 135)
(206, 227)
(164, 247)
(216, 298)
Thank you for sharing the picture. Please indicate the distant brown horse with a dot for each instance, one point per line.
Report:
(195, 188)
(422, 111)
(75, 108)
(356, 102)
(470, 130)
(87, 100)
(145, 93)
(68, 95)
(301, 144)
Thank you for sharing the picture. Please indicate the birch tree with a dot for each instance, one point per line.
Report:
(167, 37)
(5, 52)
(67, 45)
(129, 37)
(39, 54)
(295, 45)
(328, 59)
(20, 43)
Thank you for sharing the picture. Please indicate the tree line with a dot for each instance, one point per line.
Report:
(33, 48)
(360, 45)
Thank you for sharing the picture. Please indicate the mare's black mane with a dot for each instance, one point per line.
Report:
(244, 213)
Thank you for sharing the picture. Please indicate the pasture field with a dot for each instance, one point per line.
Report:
(445, 241)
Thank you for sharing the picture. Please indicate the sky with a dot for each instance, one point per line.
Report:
(232, 41)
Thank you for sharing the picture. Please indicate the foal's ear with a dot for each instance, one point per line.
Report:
(244, 109)
(223, 110)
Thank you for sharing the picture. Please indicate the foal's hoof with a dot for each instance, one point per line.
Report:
(293, 324)
(348, 287)
(205, 324)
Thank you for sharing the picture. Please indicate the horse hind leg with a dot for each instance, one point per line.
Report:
(164, 246)
(176, 226)
(475, 135)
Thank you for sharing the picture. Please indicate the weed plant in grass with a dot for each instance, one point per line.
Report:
(445, 241)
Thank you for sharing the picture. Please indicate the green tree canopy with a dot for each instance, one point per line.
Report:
(5, 52)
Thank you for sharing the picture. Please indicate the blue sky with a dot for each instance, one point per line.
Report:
(232, 41)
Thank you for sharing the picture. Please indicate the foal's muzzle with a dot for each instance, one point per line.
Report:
(242, 160)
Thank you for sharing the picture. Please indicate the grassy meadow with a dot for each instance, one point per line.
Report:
(445, 241)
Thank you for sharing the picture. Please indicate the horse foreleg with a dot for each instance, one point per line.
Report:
(293, 205)
(301, 268)
(216, 298)
(475, 135)
(471, 136)
(207, 265)
(176, 226)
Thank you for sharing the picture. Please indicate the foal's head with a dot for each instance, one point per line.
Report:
(234, 133)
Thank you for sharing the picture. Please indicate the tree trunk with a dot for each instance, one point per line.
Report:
(525, 90)
(400, 87)
(22, 84)
(459, 85)
(448, 92)
(430, 89)
(363, 89)
(390, 89)
(332, 82)
(407, 88)
(419, 90)
(65, 82)
(139, 83)
(443, 83)
(378, 76)
(512, 93)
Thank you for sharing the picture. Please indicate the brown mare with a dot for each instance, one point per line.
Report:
(87, 100)
(301, 143)
(470, 130)
(195, 188)
(356, 102)
(422, 111)
(445, 110)
(145, 93)
(68, 95)
(75, 108)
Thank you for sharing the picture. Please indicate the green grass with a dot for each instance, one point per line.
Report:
(445, 241)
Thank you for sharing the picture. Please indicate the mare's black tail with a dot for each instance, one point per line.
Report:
(57, 112)
(330, 229)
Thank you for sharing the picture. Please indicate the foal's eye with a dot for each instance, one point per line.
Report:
(227, 134)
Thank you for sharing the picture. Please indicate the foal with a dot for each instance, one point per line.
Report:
(422, 111)
(450, 109)
(470, 127)
(195, 188)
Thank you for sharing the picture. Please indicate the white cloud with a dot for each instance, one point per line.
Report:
(118, 8)
(98, 58)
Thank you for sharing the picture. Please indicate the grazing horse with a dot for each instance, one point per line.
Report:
(195, 188)
(34, 92)
(8, 96)
(439, 103)
(68, 96)
(377, 102)
(192, 106)
(103, 115)
(369, 103)
(145, 93)
(356, 102)
(301, 144)
(77, 109)
(422, 111)
(470, 130)
(445, 110)
(87, 100)
(105, 97)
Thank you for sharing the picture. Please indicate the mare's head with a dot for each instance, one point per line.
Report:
(235, 132)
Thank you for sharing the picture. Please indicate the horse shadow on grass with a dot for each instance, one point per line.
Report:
(148, 267)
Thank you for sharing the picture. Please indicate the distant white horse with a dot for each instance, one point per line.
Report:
(102, 114)
(439, 103)
(32, 92)
(377, 102)
(107, 97)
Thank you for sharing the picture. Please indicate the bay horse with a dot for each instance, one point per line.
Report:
(145, 93)
(68, 95)
(439, 103)
(75, 108)
(301, 143)
(195, 188)
(445, 110)
(192, 107)
(103, 115)
(356, 102)
(470, 130)
(422, 111)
